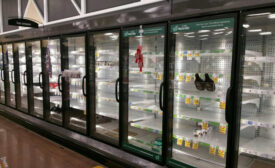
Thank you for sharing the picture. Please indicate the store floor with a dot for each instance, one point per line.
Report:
(22, 148)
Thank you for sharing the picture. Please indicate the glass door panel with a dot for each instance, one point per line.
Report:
(37, 78)
(11, 75)
(53, 66)
(146, 67)
(202, 76)
(107, 73)
(23, 77)
(257, 130)
(2, 85)
(75, 77)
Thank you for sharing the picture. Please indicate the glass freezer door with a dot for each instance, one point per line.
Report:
(146, 67)
(54, 74)
(107, 73)
(2, 85)
(74, 76)
(257, 124)
(37, 78)
(23, 105)
(9, 55)
(202, 55)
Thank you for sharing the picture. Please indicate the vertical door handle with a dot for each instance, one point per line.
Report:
(228, 114)
(12, 76)
(58, 82)
(117, 98)
(160, 96)
(39, 81)
(2, 76)
(24, 77)
(83, 82)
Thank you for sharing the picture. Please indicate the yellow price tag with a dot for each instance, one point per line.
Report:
(188, 78)
(205, 125)
(187, 143)
(221, 153)
(222, 129)
(180, 78)
(222, 105)
(179, 141)
(187, 100)
(159, 77)
(212, 150)
(195, 145)
(196, 101)
(215, 79)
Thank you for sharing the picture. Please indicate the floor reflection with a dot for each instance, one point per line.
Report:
(22, 148)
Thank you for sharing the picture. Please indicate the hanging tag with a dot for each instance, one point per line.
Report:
(222, 128)
(179, 141)
(180, 78)
(215, 78)
(196, 101)
(159, 77)
(188, 78)
(188, 99)
(222, 105)
(187, 143)
(221, 152)
(204, 125)
(212, 150)
(195, 145)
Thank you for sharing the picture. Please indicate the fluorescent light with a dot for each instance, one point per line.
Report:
(271, 16)
(190, 36)
(254, 30)
(205, 35)
(246, 25)
(259, 14)
(265, 33)
(108, 34)
(219, 30)
(203, 31)
(204, 39)
(218, 33)
(189, 33)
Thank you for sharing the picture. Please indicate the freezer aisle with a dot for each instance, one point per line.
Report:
(202, 56)
(257, 130)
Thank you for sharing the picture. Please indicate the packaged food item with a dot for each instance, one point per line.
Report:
(204, 125)
(188, 99)
(222, 128)
(179, 141)
(221, 152)
(195, 145)
(187, 143)
(196, 101)
(188, 78)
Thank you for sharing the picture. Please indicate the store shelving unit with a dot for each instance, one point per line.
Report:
(9, 55)
(199, 115)
(144, 90)
(257, 109)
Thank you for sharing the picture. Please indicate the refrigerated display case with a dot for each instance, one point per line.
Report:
(106, 76)
(53, 76)
(201, 60)
(2, 83)
(19, 51)
(35, 76)
(8, 56)
(74, 90)
(146, 48)
(257, 124)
